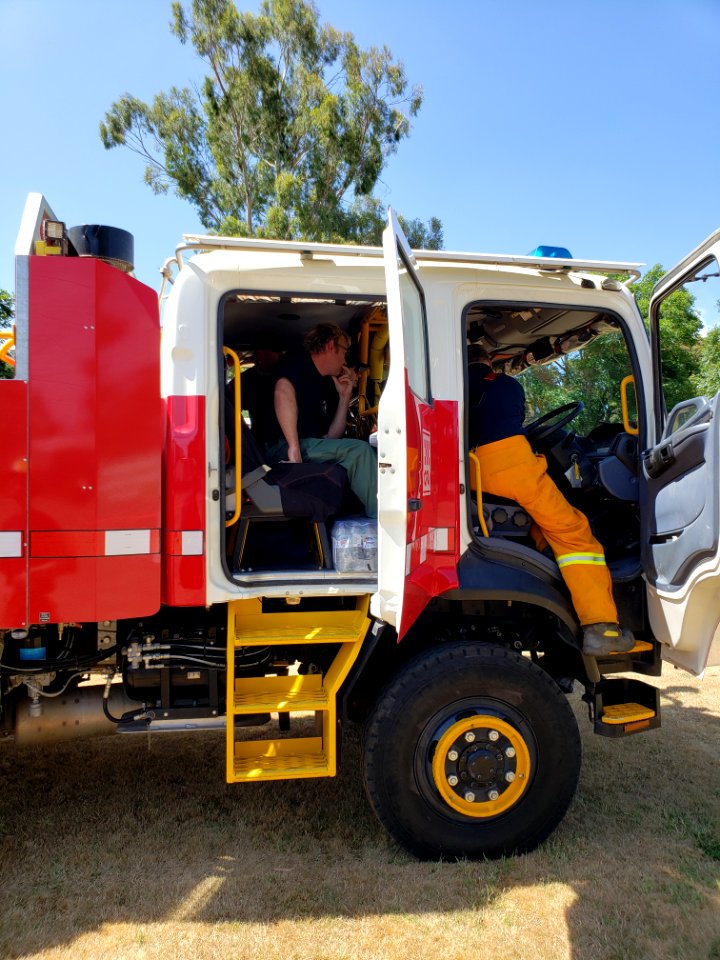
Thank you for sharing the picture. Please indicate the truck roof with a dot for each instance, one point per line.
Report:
(199, 242)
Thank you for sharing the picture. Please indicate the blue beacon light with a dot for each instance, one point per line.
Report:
(561, 253)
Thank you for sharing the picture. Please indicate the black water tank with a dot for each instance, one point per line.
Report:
(111, 244)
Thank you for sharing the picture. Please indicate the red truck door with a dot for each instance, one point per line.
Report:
(418, 486)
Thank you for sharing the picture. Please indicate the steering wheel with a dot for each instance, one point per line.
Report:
(545, 427)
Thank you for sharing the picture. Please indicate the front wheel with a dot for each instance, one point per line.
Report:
(471, 751)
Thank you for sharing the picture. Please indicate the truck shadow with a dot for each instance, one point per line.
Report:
(110, 832)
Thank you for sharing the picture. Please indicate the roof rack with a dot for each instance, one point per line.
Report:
(549, 264)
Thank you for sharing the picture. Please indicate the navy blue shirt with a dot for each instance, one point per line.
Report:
(496, 405)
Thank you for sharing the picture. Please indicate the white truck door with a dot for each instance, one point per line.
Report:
(418, 491)
(680, 503)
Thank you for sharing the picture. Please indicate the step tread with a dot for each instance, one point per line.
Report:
(270, 767)
(626, 713)
(293, 700)
(641, 646)
(270, 628)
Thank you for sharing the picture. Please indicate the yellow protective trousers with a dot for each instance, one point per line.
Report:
(509, 468)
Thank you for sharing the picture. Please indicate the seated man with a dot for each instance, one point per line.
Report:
(312, 397)
(509, 468)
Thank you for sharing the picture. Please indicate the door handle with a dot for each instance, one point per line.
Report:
(414, 504)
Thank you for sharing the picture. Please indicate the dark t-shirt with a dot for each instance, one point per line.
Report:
(497, 405)
(258, 398)
(317, 396)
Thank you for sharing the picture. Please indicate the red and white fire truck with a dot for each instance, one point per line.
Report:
(151, 581)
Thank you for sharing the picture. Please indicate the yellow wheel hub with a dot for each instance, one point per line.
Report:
(481, 766)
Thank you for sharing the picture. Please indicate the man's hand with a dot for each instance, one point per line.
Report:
(293, 454)
(345, 383)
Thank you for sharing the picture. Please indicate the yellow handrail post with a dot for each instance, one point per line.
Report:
(475, 464)
(236, 427)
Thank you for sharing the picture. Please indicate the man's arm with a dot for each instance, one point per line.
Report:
(286, 411)
(344, 384)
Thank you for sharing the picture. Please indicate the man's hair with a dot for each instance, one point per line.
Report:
(478, 354)
(319, 337)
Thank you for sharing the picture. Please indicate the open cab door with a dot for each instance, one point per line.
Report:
(681, 495)
(418, 487)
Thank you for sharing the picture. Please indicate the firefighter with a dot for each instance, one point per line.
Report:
(509, 468)
(312, 396)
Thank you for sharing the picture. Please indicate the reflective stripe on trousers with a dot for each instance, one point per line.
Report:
(509, 468)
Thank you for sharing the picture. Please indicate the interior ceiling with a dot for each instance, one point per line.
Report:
(522, 335)
(247, 318)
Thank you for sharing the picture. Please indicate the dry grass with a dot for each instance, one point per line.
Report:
(111, 849)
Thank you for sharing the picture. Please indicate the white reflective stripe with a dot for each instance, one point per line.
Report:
(570, 559)
(10, 543)
(442, 538)
(123, 542)
(423, 547)
(192, 543)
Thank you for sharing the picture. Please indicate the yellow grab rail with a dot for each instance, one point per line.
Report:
(237, 413)
(475, 464)
(624, 383)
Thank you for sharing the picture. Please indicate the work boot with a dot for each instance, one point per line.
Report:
(600, 639)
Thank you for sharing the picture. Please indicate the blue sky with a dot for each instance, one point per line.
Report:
(589, 125)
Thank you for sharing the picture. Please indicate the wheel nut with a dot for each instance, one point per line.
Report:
(469, 736)
(453, 780)
(470, 796)
(510, 751)
(453, 755)
(493, 735)
(509, 776)
(493, 794)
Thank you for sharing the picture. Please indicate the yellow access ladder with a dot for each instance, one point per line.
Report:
(284, 758)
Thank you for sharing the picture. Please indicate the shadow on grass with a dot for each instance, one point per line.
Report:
(110, 831)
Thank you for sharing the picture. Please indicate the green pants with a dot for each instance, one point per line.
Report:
(356, 456)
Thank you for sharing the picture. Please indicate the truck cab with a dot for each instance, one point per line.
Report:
(148, 535)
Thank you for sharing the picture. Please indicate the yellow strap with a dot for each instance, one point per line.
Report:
(575, 559)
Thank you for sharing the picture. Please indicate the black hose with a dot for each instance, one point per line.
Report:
(128, 717)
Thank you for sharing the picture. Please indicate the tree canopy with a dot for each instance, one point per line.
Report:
(289, 133)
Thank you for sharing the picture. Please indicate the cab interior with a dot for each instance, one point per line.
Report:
(260, 539)
(591, 446)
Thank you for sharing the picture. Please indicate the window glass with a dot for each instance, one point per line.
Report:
(689, 336)
(593, 375)
(414, 332)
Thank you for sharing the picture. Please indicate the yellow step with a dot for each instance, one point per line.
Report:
(618, 713)
(256, 760)
(286, 694)
(325, 626)
(641, 646)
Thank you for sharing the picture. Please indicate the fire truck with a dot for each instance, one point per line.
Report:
(153, 577)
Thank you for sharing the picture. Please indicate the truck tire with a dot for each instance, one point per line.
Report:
(471, 751)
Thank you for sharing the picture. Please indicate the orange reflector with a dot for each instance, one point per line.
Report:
(640, 725)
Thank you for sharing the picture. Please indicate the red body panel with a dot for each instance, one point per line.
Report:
(432, 480)
(13, 503)
(183, 582)
(95, 439)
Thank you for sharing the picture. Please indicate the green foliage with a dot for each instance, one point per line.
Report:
(680, 339)
(707, 378)
(289, 133)
(7, 308)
